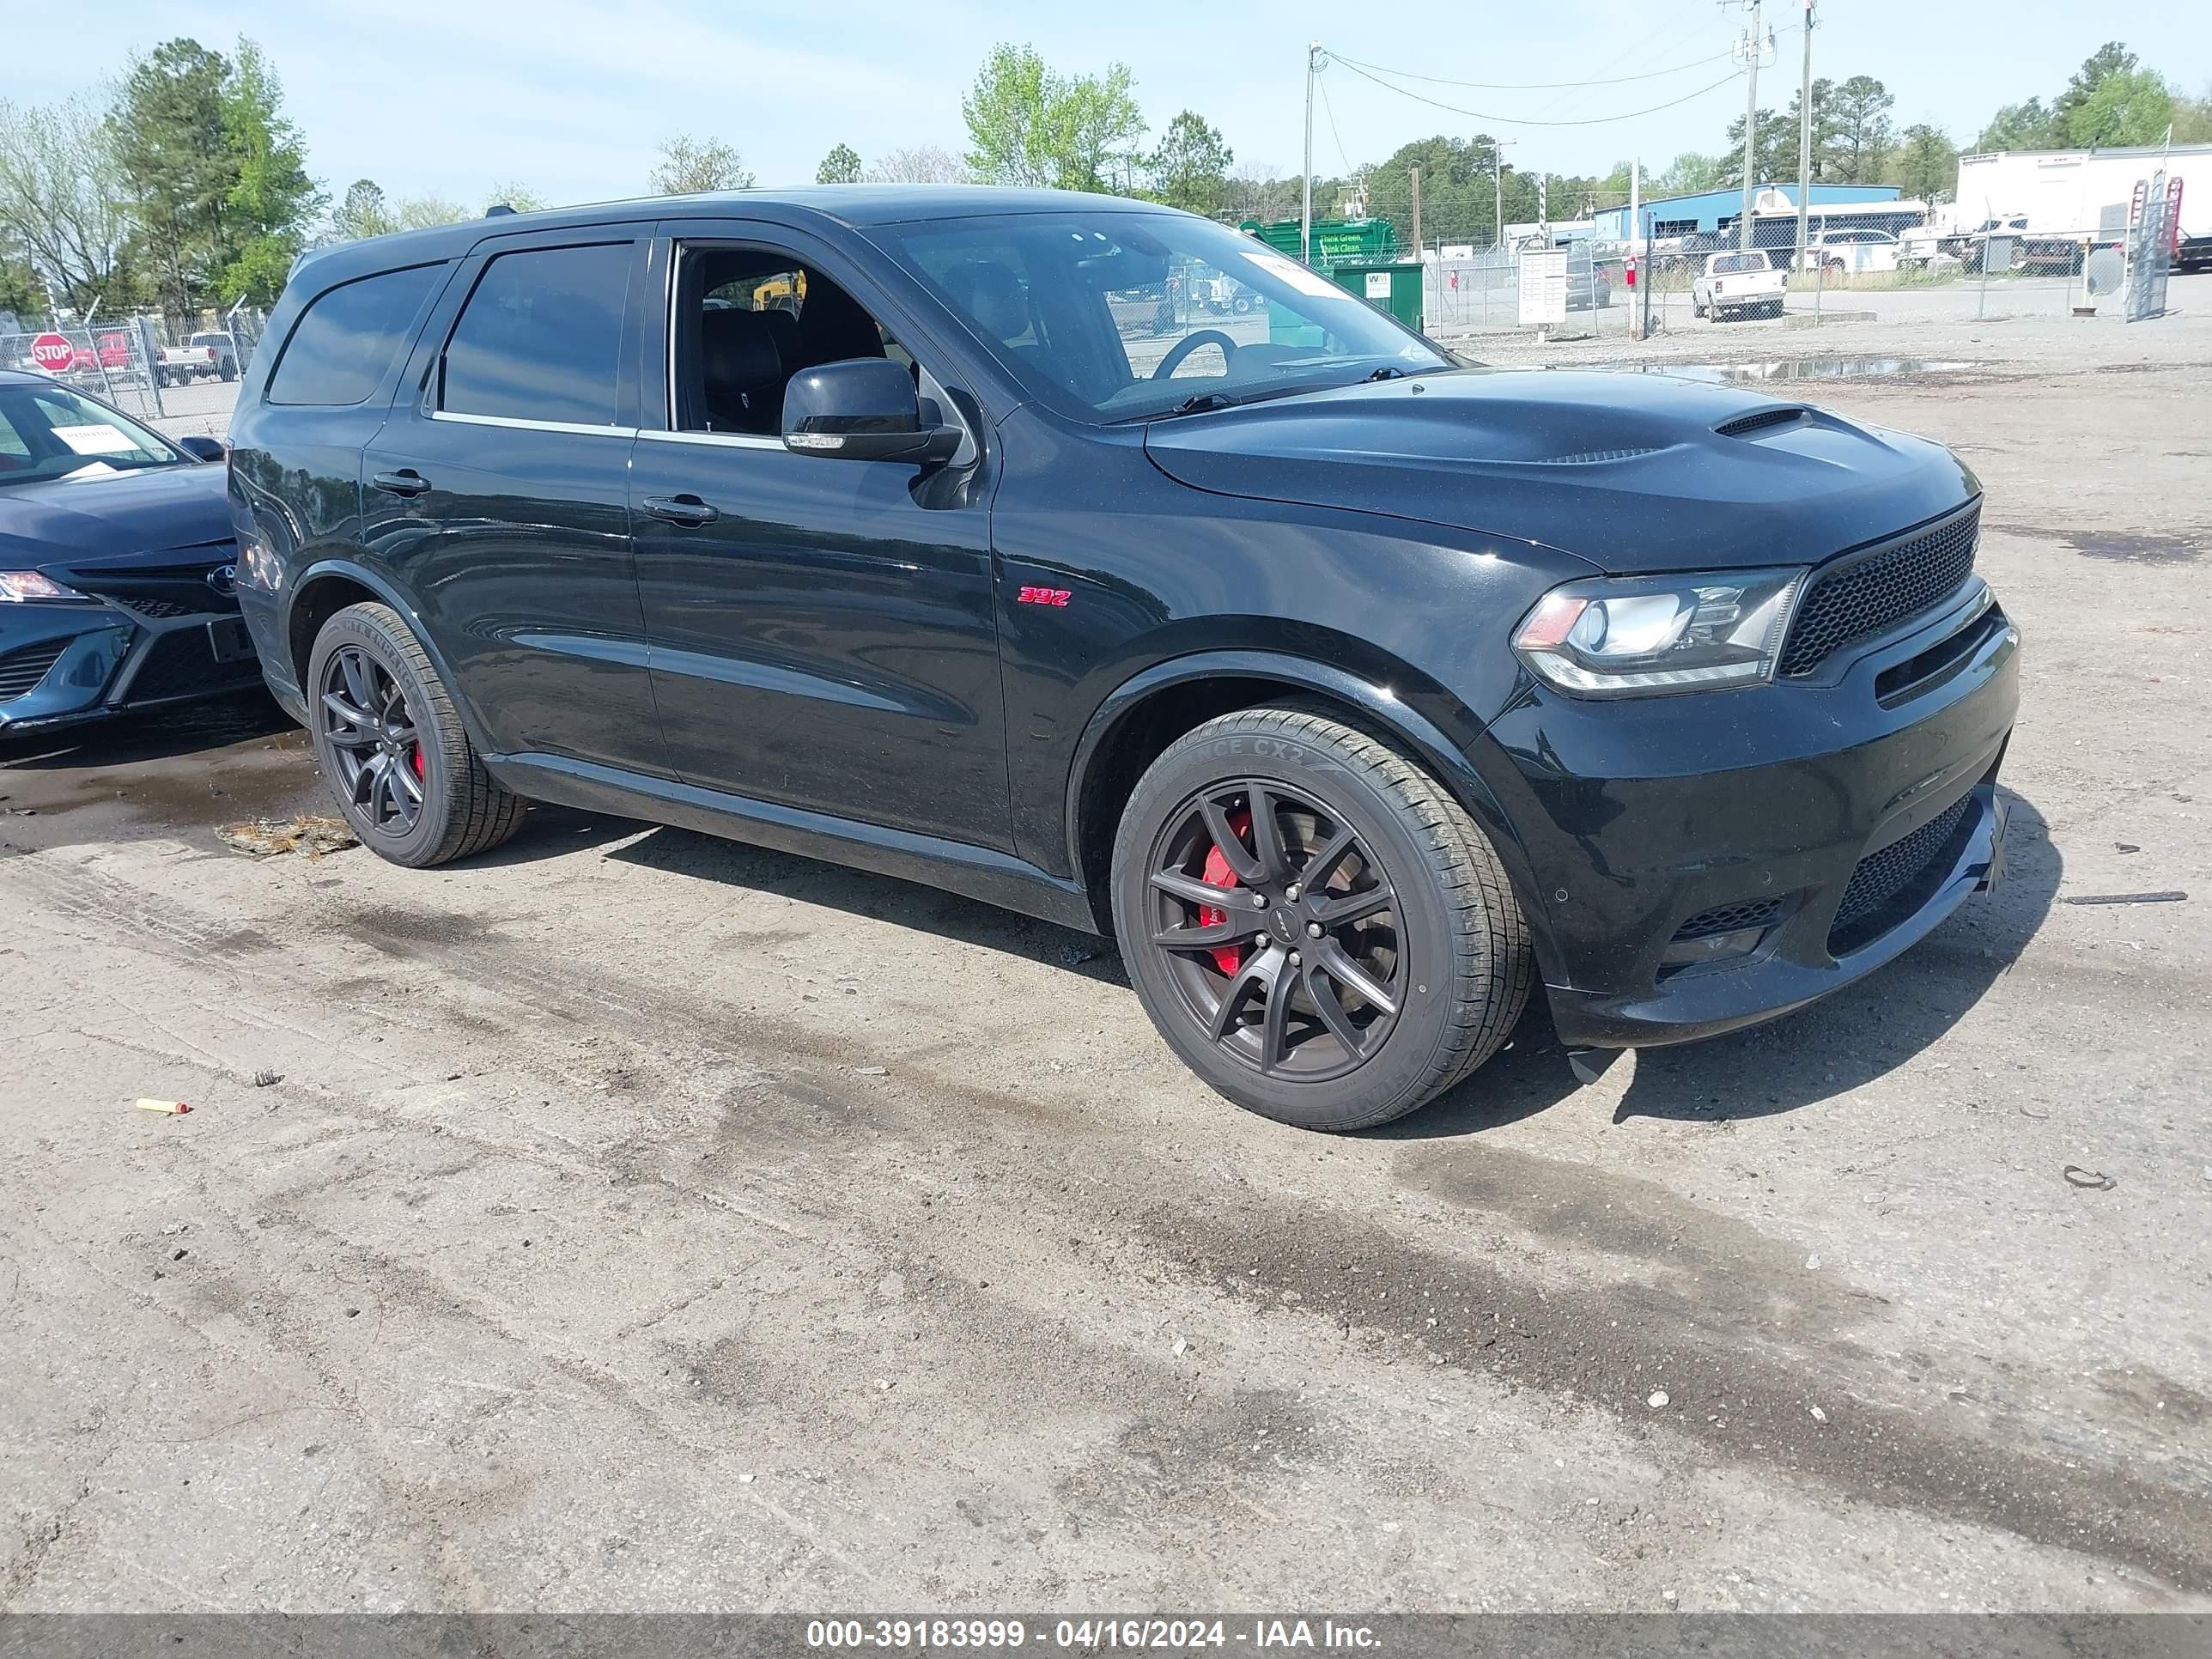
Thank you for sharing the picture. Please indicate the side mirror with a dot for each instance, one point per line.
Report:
(863, 409)
(207, 448)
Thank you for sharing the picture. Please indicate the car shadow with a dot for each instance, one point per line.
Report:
(887, 898)
(1857, 1035)
(1860, 1033)
(132, 740)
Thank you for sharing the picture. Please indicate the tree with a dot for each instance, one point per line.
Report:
(2110, 59)
(1264, 195)
(172, 152)
(2128, 106)
(2018, 126)
(1860, 131)
(1926, 164)
(517, 195)
(842, 166)
(62, 206)
(421, 212)
(1774, 151)
(1028, 126)
(690, 166)
(1190, 169)
(1691, 174)
(924, 164)
(363, 212)
(271, 199)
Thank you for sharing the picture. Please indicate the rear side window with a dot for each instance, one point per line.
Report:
(541, 337)
(347, 338)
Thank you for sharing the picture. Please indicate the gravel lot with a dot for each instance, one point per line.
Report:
(643, 1221)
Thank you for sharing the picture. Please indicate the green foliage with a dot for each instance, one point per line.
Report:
(1190, 169)
(1925, 164)
(2128, 106)
(1459, 198)
(1691, 174)
(272, 200)
(361, 212)
(690, 166)
(1859, 134)
(61, 208)
(842, 166)
(2024, 125)
(1029, 125)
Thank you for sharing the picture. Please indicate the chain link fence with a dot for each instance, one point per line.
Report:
(180, 374)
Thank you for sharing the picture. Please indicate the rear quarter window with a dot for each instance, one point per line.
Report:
(540, 339)
(347, 338)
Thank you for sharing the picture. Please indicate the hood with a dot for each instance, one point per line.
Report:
(1632, 472)
(76, 522)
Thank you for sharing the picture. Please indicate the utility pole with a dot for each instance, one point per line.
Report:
(1750, 117)
(1805, 136)
(1416, 173)
(1305, 221)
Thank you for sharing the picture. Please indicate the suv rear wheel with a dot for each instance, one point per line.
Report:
(392, 746)
(1311, 921)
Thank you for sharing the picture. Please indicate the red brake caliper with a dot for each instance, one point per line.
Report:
(1227, 958)
(418, 760)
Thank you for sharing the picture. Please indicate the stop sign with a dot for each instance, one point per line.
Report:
(52, 353)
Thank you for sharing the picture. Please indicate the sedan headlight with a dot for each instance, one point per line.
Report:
(1622, 637)
(21, 586)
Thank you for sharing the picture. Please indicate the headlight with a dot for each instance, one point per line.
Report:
(1643, 635)
(18, 586)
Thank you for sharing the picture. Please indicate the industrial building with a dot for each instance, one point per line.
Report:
(1712, 212)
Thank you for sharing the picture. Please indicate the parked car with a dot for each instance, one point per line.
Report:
(1589, 287)
(212, 356)
(1355, 693)
(115, 556)
(1921, 249)
(1850, 253)
(1740, 284)
(2193, 253)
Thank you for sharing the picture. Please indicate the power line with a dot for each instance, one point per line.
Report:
(1529, 85)
(1330, 110)
(1523, 121)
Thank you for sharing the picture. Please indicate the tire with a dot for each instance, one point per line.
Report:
(1454, 950)
(229, 372)
(461, 810)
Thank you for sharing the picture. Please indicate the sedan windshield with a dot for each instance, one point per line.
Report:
(1116, 316)
(50, 432)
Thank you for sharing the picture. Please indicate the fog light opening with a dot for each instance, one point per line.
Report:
(1712, 947)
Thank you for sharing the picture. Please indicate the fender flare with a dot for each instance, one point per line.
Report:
(386, 594)
(1446, 759)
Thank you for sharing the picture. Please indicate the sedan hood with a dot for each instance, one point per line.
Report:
(1632, 472)
(75, 521)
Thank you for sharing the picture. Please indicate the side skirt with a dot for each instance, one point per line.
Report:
(977, 873)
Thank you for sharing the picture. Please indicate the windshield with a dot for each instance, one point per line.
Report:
(50, 432)
(1119, 316)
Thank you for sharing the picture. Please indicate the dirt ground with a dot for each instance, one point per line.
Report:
(634, 1220)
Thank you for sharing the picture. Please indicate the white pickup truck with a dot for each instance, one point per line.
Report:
(210, 356)
(1740, 284)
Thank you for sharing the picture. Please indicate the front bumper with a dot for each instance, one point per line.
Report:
(1644, 822)
(154, 640)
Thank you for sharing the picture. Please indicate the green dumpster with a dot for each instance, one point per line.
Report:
(1391, 286)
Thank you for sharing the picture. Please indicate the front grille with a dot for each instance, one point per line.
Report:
(1729, 919)
(21, 669)
(1881, 877)
(176, 664)
(1873, 593)
(162, 610)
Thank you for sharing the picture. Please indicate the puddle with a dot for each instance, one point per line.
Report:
(1802, 368)
(2120, 547)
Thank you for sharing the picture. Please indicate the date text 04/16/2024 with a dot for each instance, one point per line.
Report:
(1091, 1634)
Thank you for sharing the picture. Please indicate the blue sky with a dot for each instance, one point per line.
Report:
(571, 96)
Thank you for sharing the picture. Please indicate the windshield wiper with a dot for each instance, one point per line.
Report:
(1388, 371)
(1202, 401)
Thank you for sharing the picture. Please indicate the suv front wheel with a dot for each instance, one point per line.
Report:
(392, 748)
(1311, 921)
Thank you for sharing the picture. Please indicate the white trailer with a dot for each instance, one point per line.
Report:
(2070, 192)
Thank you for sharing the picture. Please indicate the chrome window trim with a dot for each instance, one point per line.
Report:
(518, 423)
(714, 439)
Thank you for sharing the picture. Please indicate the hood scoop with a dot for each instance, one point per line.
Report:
(1762, 419)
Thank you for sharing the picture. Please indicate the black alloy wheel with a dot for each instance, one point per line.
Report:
(1312, 922)
(1280, 927)
(381, 770)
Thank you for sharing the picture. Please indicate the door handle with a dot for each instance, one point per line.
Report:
(405, 482)
(681, 509)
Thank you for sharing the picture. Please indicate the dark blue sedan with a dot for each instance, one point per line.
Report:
(115, 562)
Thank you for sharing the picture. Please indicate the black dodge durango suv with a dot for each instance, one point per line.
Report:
(1350, 687)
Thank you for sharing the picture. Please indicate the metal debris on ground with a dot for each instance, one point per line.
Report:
(2168, 897)
(267, 837)
(266, 1080)
(2093, 1181)
(167, 1108)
